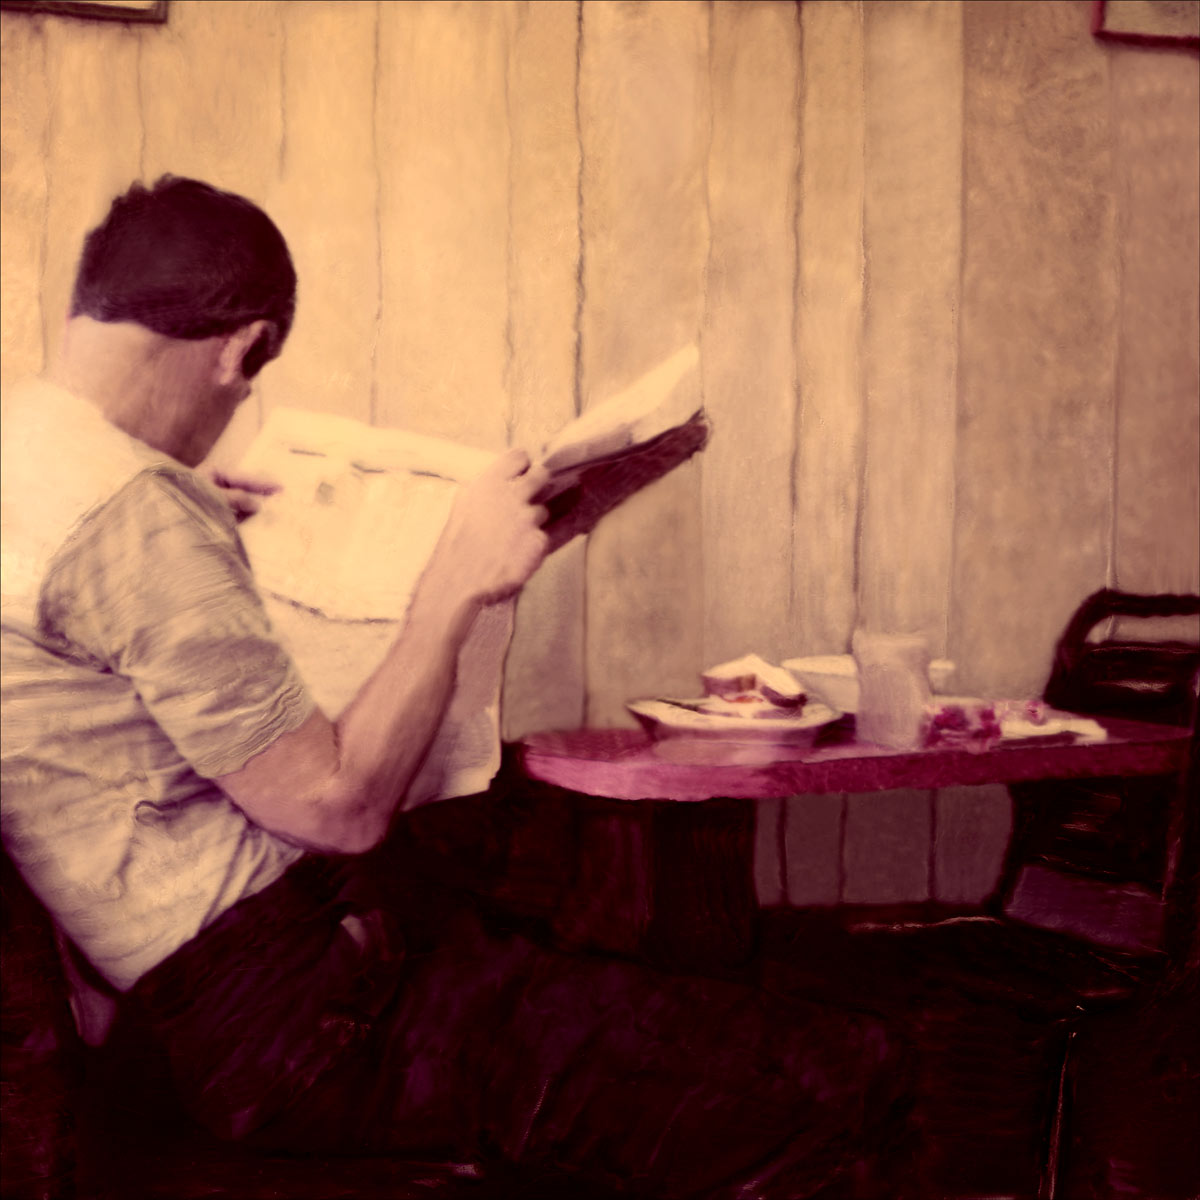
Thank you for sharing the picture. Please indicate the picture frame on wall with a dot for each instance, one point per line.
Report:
(96, 10)
(1148, 22)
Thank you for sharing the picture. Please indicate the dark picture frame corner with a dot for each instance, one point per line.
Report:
(148, 11)
(1164, 23)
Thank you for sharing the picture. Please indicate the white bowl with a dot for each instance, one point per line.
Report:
(833, 678)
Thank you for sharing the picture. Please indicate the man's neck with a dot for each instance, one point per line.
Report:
(144, 383)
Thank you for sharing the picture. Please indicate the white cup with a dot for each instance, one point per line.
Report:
(893, 682)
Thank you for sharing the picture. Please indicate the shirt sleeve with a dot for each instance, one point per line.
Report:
(155, 587)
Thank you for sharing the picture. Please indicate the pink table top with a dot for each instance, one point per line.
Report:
(626, 764)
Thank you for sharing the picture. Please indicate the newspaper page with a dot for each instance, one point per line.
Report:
(337, 553)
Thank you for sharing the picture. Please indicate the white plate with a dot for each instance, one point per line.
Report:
(662, 718)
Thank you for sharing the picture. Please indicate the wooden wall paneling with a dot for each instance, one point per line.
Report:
(829, 432)
(913, 238)
(94, 146)
(748, 339)
(886, 848)
(812, 849)
(442, 141)
(544, 683)
(646, 125)
(971, 829)
(212, 109)
(1156, 109)
(770, 886)
(1039, 322)
(828, 429)
(211, 96)
(24, 100)
(325, 200)
(544, 673)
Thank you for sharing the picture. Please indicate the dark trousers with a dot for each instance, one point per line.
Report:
(356, 1006)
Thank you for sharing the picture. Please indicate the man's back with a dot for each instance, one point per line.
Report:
(131, 849)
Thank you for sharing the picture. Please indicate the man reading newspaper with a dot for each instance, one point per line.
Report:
(236, 862)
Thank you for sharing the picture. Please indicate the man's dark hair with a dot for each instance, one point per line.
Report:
(189, 261)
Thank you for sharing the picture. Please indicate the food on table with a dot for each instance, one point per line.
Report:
(963, 721)
(751, 687)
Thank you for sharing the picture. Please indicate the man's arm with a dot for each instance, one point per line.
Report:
(334, 786)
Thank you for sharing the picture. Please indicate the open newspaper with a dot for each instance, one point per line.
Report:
(338, 551)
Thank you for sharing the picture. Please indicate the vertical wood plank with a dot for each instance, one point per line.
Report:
(812, 849)
(887, 848)
(326, 202)
(94, 69)
(544, 673)
(212, 109)
(829, 435)
(972, 826)
(770, 886)
(1039, 321)
(1156, 104)
(211, 94)
(913, 236)
(24, 101)
(644, 111)
(748, 335)
(443, 147)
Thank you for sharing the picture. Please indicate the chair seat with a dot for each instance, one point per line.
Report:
(85, 1123)
(202, 1170)
(912, 966)
(133, 1142)
(191, 1172)
(988, 1008)
(188, 1164)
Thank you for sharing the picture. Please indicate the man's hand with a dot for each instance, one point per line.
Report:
(335, 786)
(493, 541)
(242, 494)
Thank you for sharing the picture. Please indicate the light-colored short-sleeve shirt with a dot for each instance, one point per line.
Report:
(138, 666)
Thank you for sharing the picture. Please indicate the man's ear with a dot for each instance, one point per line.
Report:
(231, 361)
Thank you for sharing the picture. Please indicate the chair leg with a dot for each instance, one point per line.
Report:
(1051, 1169)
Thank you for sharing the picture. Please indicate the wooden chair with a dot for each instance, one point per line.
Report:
(1112, 864)
(1096, 858)
(1099, 895)
(1020, 1013)
(84, 1123)
(40, 1060)
(1131, 1084)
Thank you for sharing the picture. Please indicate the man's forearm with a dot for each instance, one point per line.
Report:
(335, 786)
(385, 732)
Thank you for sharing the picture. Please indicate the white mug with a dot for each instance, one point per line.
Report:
(893, 682)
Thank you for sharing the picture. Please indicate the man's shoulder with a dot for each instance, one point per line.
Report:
(61, 456)
(67, 470)
(163, 494)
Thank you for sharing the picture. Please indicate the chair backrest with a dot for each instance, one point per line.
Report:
(1123, 677)
(41, 1057)
(1182, 932)
(1098, 859)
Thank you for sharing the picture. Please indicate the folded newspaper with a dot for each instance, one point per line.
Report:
(338, 551)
